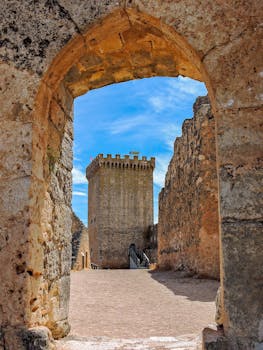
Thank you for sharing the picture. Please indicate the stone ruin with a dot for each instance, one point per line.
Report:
(188, 235)
(54, 51)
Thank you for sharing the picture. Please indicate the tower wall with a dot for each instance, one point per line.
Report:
(120, 207)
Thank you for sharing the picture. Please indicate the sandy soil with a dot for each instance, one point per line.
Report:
(114, 306)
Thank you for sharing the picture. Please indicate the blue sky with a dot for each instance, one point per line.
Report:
(143, 115)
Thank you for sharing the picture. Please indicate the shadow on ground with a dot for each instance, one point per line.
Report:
(195, 289)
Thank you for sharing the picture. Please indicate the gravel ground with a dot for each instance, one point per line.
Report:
(137, 310)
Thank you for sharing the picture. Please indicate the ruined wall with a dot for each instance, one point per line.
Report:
(188, 235)
(80, 244)
(120, 207)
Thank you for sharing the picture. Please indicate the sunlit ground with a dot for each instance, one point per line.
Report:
(129, 307)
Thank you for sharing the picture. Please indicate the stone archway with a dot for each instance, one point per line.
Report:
(123, 46)
(38, 161)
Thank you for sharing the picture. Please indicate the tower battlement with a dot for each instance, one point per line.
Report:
(118, 162)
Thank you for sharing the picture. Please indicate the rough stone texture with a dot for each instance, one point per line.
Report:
(188, 232)
(120, 207)
(80, 244)
(35, 225)
(217, 42)
(214, 340)
(151, 243)
(137, 49)
(36, 338)
(54, 242)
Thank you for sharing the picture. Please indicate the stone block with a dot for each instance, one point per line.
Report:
(236, 71)
(243, 266)
(19, 338)
(64, 99)
(52, 264)
(15, 149)
(14, 196)
(58, 307)
(57, 115)
(214, 340)
(38, 338)
(240, 152)
(18, 90)
(240, 134)
(66, 253)
(62, 223)
(66, 155)
(110, 44)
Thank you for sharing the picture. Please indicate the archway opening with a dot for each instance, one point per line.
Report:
(136, 114)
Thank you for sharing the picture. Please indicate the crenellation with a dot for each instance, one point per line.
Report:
(117, 162)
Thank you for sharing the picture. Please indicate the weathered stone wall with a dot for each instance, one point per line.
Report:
(37, 272)
(217, 42)
(188, 228)
(80, 244)
(150, 244)
(120, 205)
(56, 217)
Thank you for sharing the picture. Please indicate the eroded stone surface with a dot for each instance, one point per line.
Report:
(188, 237)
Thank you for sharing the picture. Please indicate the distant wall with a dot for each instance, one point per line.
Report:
(80, 244)
(188, 235)
(151, 243)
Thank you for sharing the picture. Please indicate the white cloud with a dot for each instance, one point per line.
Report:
(176, 92)
(158, 103)
(162, 162)
(77, 150)
(78, 193)
(123, 125)
(162, 101)
(78, 176)
(153, 127)
(169, 132)
(187, 86)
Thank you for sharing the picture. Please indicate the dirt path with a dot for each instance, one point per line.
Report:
(114, 306)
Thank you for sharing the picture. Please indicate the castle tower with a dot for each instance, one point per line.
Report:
(120, 203)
